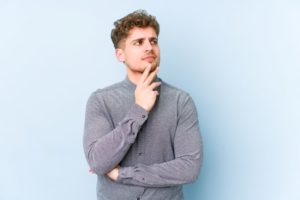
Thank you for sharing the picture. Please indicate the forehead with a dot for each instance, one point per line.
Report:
(137, 33)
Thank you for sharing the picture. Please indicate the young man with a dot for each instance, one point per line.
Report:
(141, 135)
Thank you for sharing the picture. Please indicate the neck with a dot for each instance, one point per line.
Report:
(134, 77)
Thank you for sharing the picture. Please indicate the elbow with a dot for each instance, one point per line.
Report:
(96, 164)
(192, 174)
(194, 167)
(99, 168)
(192, 171)
(99, 171)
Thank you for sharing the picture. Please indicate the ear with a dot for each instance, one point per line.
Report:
(120, 55)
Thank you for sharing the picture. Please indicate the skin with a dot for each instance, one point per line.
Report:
(141, 54)
(139, 50)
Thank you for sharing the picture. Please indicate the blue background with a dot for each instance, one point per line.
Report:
(238, 59)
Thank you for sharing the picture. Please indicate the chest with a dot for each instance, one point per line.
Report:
(154, 142)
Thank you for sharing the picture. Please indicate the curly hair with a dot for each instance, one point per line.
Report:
(138, 18)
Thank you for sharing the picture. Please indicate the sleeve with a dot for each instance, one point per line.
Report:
(105, 146)
(188, 156)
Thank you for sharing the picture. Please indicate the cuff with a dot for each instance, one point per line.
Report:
(139, 114)
(125, 173)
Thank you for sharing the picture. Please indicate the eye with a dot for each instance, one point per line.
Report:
(138, 43)
(154, 41)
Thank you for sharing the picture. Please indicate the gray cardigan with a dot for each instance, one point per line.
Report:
(157, 151)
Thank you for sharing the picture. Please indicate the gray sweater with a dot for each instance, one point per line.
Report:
(157, 151)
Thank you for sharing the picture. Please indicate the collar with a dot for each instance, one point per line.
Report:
(132, 86)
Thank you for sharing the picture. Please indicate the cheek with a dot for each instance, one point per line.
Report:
(157, 50)
(132, 58)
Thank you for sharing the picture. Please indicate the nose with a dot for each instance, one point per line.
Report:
(148, 45)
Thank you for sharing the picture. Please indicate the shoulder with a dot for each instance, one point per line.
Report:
(108, 89)
(99, 93)
(180, 97)
(174, 92)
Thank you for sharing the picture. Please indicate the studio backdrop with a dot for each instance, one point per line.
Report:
(239, 60)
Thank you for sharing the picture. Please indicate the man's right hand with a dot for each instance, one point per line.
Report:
(145, 95)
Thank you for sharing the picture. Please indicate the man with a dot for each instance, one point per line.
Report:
(141, 135)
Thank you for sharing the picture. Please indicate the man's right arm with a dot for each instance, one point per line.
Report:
(104, 145)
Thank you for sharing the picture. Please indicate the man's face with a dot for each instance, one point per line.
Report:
(140, 49)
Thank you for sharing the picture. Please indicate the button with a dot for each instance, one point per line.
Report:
(140, 154)
(143, 116)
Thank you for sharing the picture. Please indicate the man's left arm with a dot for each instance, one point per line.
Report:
(188, 156)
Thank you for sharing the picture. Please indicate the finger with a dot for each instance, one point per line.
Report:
(151, 77)
(154, 85)
(145, 73)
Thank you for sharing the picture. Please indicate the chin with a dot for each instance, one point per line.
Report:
(153, 68)
(154, 64)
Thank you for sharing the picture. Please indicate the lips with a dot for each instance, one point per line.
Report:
(149, 58)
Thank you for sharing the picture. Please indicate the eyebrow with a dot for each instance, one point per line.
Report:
(138, 39)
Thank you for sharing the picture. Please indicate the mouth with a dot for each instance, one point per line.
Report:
(149, 59)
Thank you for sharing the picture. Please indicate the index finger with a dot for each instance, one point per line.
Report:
(151, 76)
(145, 73)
